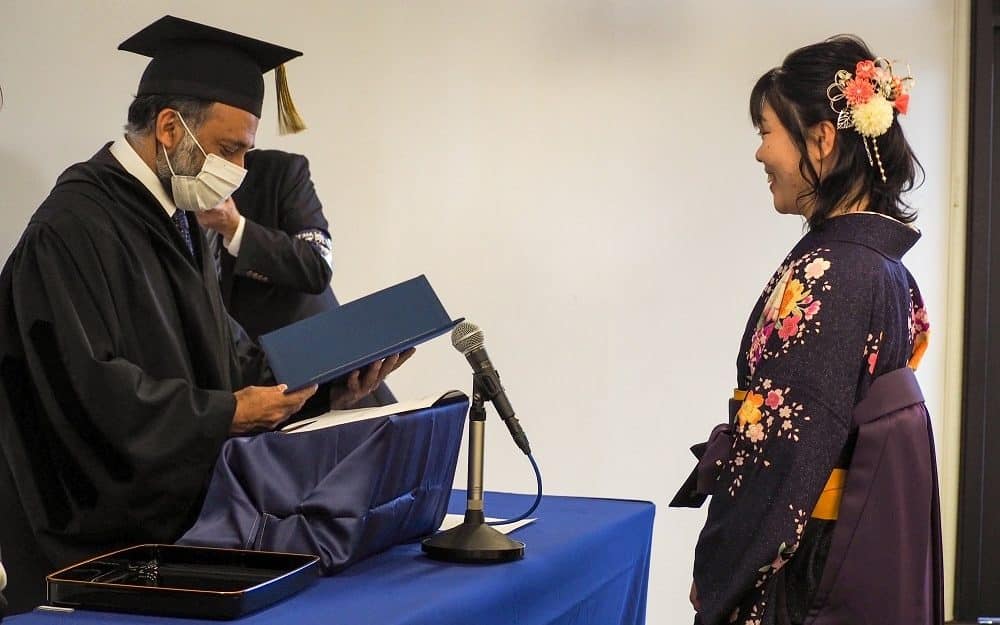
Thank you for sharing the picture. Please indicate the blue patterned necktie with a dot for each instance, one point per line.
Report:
(180, 220)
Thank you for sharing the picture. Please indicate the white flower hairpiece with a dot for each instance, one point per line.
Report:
(865, 101)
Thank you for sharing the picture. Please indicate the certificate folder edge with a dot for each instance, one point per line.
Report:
(389, 351)
(285, 346)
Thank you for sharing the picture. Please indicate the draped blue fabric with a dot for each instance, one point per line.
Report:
(342, 493)
(586, 562)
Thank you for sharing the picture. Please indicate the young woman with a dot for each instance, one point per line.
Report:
(824, 493)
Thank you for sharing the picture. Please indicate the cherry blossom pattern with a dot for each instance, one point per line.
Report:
(767, 412)
(785, 551)
(792, 307)
(870, 353)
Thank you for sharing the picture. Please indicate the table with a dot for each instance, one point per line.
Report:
(586, 563)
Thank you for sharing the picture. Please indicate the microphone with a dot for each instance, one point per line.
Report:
(475, 541)
(469, 339)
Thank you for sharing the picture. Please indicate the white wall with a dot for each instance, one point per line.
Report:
(575, 176)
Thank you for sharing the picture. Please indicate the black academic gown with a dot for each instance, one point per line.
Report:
(118, 364)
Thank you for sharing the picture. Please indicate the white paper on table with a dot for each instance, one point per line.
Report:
(454, 520)
(340, 417)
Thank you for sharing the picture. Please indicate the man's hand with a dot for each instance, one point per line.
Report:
(224, 218)
(361, 382)
(261, 408)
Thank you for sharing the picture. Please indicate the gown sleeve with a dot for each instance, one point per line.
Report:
(805, 362)
(251, 359)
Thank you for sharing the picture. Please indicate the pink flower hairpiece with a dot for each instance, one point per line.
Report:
(865, 101)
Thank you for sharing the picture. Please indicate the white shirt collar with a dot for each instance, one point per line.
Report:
(133, 164)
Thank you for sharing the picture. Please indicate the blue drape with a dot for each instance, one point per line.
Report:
(342, 493)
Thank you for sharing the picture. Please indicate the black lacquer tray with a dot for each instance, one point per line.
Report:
(174, 580)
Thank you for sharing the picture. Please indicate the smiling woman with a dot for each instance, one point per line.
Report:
(781, 160)
(824, 382)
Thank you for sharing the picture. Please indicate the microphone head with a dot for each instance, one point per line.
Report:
(467, 337)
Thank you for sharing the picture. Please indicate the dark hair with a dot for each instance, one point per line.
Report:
(797, 91)
(144, 109)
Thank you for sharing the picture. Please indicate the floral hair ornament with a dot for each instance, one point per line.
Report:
(865, 101)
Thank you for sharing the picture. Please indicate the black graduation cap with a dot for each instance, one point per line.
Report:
(192, 59)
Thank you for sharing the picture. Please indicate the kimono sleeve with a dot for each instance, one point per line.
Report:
(792, 426)
(298, 254)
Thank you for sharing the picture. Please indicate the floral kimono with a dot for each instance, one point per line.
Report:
(840, 311)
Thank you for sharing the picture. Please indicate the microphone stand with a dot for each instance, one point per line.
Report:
(474, 541)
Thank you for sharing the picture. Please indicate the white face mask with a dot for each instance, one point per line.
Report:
(216, 181)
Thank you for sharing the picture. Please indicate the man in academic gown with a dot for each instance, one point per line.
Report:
(120, 373)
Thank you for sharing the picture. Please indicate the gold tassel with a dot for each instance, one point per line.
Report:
(289, 120)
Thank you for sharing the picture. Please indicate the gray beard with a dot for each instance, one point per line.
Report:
(187, 160)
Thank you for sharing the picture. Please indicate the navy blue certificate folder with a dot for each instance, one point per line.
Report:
(334, 343)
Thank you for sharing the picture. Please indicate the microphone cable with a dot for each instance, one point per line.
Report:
(538, 497)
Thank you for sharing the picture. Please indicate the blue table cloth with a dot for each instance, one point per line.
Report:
(586, 563)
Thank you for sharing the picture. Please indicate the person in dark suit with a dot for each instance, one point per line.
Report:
(276, 258)
(274, 250)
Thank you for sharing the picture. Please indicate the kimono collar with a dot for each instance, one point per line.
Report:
(883, 234)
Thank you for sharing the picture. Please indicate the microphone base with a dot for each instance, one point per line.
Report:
(473, 542)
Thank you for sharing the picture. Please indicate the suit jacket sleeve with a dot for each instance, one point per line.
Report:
(296, 254)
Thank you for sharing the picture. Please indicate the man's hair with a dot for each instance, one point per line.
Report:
(144, 109)
(797, 91)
